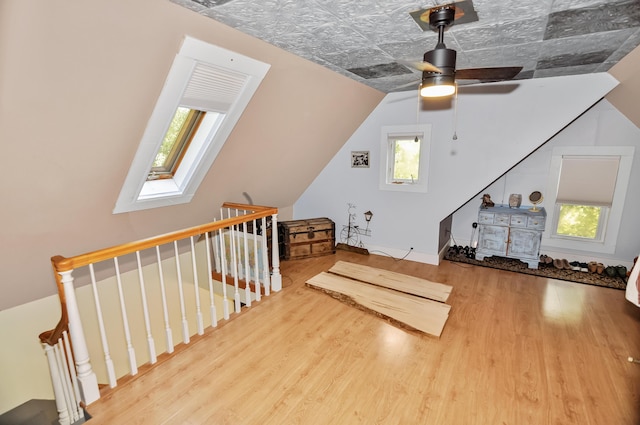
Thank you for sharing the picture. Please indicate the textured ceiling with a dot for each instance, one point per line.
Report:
(365, 39)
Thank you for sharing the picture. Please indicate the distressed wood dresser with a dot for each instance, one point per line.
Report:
(510, 232)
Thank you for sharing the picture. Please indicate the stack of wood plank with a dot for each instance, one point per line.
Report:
(406, 301)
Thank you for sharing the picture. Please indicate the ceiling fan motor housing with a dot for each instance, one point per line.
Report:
(443, 58)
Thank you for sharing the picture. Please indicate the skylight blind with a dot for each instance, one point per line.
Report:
(212, 89)
(588, 180)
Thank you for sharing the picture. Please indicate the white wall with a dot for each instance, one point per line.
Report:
(602, 125)
(23, 366)
(497, 126)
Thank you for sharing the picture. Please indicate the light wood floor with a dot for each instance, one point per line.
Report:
(516, 349)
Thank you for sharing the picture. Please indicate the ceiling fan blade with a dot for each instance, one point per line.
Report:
(426, 66)
(491, 74)
(413, 83)
(421, 66)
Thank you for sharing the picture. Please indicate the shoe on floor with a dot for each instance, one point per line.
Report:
(545, 259)
(622, 271)
(566, 265)
(611, 271)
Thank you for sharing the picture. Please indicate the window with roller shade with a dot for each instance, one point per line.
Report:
(203, 97)
(579, 196)
(585, 193)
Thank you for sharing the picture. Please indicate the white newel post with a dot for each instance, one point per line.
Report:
(276, 278)
(86, 377)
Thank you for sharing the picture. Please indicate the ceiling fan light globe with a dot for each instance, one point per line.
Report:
(437, 91)
(437, 86)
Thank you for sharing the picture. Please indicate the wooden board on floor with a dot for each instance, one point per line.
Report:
(392, 280)
(403, 309)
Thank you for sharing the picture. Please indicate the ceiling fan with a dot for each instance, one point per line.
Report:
(439, 73)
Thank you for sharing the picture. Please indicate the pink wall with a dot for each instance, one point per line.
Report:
(625, 96)
(78, 82)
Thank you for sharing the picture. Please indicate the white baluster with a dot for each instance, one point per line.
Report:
(56, 381)
(151, 346)
(63, 370)
(86, 377)
(196, 285)
(247, 269)
(111, 374)
(238, 265)
(228, 264)
(168, 334)
(225, 305)
(133, 366)
(185, 324)
(72, 371)
(256, 261)
(234, 264)
(266, 278)
(212, 308)
(276, 278)
(216, 255)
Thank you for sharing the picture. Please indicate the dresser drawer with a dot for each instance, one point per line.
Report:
(485, 217)
(535, 222)
(518, 220)
(502, 219)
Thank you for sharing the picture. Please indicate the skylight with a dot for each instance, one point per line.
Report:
(204, 95)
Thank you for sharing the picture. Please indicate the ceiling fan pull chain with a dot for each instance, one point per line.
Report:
(455, 113)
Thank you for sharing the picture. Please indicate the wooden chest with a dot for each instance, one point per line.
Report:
(306, 238)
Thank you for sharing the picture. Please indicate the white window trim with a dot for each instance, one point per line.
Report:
(137, 193)
(424, 132)
(608, 245)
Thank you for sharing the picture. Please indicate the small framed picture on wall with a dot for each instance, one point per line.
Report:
(359, 159)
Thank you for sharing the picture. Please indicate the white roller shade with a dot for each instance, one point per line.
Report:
(588, 180)
(213, 88)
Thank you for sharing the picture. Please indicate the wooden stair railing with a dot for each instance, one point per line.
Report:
(74, 379)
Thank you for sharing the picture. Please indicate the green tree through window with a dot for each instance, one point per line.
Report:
(171, 136)
(579, 221)
(406, 159)
(176, 140)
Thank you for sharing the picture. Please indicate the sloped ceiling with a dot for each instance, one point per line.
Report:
(365, 39)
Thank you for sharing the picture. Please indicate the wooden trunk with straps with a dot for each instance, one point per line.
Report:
(306, 238)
